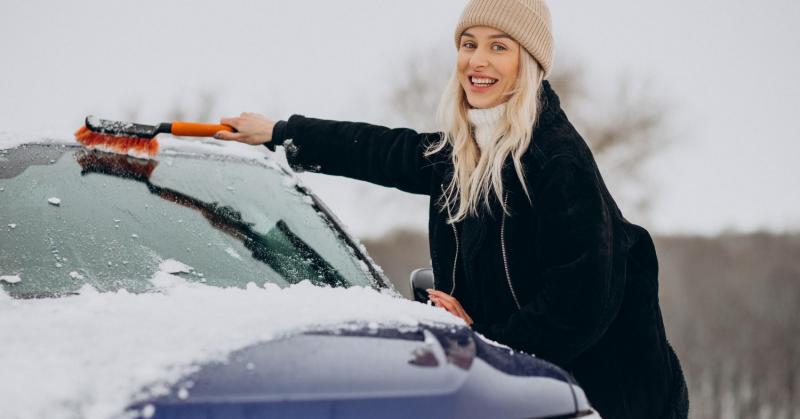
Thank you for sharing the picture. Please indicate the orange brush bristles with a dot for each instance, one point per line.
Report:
(117, 165)
(131, 146)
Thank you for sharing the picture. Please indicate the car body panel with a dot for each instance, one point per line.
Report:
(431, 372)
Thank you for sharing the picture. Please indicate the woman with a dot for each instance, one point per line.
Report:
(527, 244)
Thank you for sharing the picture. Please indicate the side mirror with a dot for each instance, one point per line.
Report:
(421, 282)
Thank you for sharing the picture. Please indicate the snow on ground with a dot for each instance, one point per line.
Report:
(92, 354)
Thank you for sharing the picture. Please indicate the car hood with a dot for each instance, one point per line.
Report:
(439, 371)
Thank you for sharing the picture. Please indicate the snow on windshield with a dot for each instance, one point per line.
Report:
(117, 218)
(169, 144)
(93, 354)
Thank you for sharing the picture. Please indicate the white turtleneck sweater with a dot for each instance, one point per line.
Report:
(485, 122)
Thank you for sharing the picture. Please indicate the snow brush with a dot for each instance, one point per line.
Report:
(138, 140)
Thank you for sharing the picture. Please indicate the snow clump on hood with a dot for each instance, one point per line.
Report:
(93, 354)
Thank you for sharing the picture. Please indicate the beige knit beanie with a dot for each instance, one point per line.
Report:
(527, 21)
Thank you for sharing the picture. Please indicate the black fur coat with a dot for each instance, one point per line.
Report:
(563, 276)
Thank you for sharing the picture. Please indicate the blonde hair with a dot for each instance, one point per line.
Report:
(476, 176)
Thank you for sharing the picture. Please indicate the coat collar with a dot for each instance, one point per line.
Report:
(550, 105)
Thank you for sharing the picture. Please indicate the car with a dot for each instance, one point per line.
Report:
(208, 282)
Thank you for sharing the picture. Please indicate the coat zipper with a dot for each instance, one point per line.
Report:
(455, 259)
(505, 256)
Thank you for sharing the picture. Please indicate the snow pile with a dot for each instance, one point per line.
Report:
(93, 354)
(11, 279)
(233, 253)
(13, 139)
(172, 266)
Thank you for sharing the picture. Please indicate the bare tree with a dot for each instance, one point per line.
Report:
(415, 99)
(633, 126)
(731, 306)
(201, 108)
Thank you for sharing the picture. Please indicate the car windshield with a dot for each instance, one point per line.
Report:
(71, 217)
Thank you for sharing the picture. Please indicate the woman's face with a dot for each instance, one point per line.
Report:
(488, 64)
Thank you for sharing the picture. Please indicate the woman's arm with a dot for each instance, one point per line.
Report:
(582, 292)
(372, 153)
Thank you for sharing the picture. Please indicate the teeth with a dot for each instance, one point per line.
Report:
(483, 81)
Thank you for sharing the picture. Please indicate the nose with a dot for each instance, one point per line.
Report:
(479, 58)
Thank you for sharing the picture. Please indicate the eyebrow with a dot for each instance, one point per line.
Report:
(498, 36)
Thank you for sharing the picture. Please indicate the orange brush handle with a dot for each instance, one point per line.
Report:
(196, 129)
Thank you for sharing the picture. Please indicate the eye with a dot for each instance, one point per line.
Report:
(468, 44)
(499, 47)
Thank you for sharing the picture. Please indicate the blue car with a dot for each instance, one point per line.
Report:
(81, 224)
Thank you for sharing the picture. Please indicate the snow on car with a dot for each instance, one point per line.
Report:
(209, 281)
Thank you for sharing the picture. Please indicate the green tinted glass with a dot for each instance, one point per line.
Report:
(121, 220)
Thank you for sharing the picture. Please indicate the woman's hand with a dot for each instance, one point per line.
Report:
(447, 302)
(252, 128)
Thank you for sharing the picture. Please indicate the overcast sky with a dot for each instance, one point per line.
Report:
(728, 68)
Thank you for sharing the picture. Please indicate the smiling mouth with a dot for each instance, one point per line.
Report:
(482, 81)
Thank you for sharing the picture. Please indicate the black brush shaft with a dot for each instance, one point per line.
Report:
(128, 129)
(164, 128)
